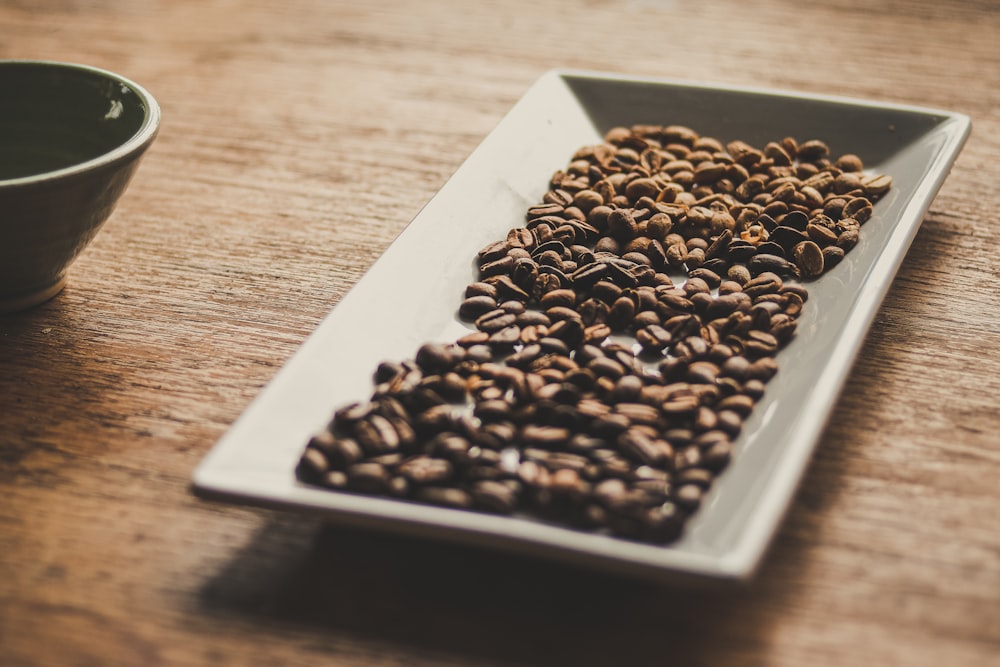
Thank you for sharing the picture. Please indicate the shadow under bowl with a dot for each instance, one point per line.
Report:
(71, 137)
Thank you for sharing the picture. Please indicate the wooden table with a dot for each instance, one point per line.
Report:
(299, 138)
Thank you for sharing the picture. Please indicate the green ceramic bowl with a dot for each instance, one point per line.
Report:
(71, 137)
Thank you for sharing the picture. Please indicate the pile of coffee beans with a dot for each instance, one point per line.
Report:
(620, 338)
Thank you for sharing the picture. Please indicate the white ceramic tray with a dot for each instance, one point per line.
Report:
(411, 295)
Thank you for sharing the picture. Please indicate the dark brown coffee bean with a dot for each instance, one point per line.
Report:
(621, 314)
(809, 258)
(768, 263)
(343, 452)
(821, 234)
(739, 274)
(505, 338)
(507, 289)
(709, 278)
(717, 456)
(848, 239)
(595, 334)
(640, 447)
(544, 436)
(688, 496)
(497, 267)
(426, 470)
(680, 405)
(767, 282)
(569, 330)
(858, 208)
(741, 404)
(436, 357)
(352, 413)
(560, 313)
(524, 273)
(476, 306)
(763, 369)
(480, 289)
(313, 466)
(520, 237)
(495, 496)
(444, 496)
(653, 338)
(622, 224)
(560, 297)
(832, 256)
(702, 372)
(876, 185)
(588, 275)
(788, 237)
(726, 304)
(606, 291)
(675, 302)
(367, 477)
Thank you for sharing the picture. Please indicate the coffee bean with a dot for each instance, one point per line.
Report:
(788, 237)
(560, 297)
(858, 208)
(426, 470)
(809, 258)
(495, 496)
(769, 263)
(445, 496)
(342, 452)
(832, 256)
(876, 185)
(367, 477)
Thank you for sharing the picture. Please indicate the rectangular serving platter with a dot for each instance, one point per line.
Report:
(411, 295)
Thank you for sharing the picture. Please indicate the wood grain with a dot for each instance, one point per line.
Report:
(298, 140)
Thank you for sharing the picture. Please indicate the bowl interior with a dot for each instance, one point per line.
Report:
(55, 117)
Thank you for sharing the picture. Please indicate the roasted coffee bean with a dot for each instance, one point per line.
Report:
(876, 184)
(653, 338)
(520, 237)
(495, 496)
(760, 343)
(606, 291)
(505, 338)
(637, 413)
(832, 256)
(809, 258)
(766, 263)
(426, 470)
(821, 234)
(476, 306)
(588, 275)
(343, 452)
(480, 289)
(436, 357)
(848, 239)
(560, 297)
(796, 220)
(640, 447)
(766, 282)
(787, 237)
(507, 289)
(313, 466)
(367, 477)
(445, 496)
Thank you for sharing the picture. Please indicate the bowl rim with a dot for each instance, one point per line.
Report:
(135, 144)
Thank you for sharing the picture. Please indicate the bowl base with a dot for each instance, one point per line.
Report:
(25, 301)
